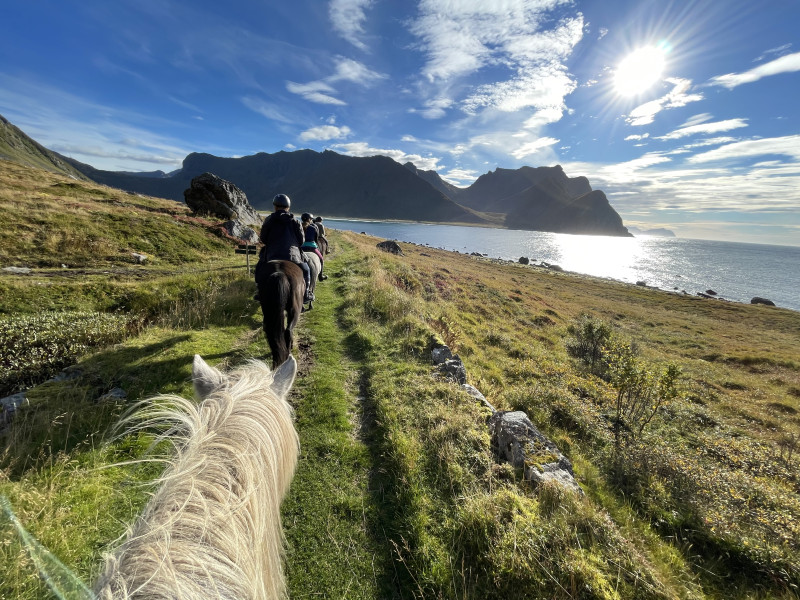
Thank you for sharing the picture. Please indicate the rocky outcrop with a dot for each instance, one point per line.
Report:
(391, 247)
(240, 231)
(759, 300)
(212, 195)
(514, 438)
(517, 441)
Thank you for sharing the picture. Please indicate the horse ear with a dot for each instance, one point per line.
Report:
(204, 377)
(283, 377)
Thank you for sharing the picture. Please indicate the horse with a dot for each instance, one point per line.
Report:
(280, 292)
(212, 528)
(322, 244)
(315, 265)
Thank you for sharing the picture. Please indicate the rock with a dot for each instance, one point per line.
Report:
(9, 406)
(17, 270)
(454, 369)
(703, 295)
(641, 283)
(113, 395)
(139, 259)
(240, 230)
(391, 247)
(764, 301)
(552, 267)
(440, 353)
(515, 440)
(524, 260)
(424, 254)
(475, 393)
(209, 194)
(711, 292)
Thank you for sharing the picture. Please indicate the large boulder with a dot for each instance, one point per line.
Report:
(209, 194)
(517, 441)
(391, 247)
(239, 230)
(764, 301)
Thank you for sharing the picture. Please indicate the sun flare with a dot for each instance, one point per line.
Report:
(639, 70)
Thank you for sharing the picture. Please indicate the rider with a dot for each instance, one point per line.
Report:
(310, 245)
(321, 229)
(282, 237)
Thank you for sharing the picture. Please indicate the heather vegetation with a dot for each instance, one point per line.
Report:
(679, 414)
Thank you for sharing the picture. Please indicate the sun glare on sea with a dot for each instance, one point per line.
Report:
(640, 70)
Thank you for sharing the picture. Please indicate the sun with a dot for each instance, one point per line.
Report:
(639, 70)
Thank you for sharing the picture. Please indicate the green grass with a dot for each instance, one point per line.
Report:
(397, 494)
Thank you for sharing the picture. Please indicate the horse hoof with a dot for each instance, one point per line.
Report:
(323, 277)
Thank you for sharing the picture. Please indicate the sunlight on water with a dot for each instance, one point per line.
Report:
(601, 256)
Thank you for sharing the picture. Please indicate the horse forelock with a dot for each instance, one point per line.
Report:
(213, 526)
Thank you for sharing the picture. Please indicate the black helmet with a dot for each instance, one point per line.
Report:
(318, 220)
(281, 201)
(307, 217)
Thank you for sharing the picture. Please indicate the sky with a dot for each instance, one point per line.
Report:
(684, 112)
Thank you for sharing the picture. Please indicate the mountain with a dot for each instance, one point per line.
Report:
(19, 148)
(326, 183)
(375, 187)
(544, 199)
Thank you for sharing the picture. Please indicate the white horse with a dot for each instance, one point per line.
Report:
(212, 529)
(315, 265)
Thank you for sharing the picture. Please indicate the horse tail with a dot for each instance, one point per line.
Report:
(274, 298)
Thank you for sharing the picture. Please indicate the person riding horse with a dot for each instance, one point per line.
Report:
(282, 237)
(311, 234)
(324, 247)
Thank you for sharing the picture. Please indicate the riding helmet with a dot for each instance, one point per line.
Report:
(318, 220)
(281, 201)
(307, 217)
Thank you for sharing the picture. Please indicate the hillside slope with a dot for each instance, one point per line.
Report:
(16, 146)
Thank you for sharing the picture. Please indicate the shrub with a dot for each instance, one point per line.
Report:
(589, 337)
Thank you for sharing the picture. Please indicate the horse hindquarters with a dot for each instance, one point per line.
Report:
(274, 296)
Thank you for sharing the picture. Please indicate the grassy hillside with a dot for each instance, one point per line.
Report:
(397, 494)
(17, 147)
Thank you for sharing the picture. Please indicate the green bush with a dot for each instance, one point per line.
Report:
(34, 347)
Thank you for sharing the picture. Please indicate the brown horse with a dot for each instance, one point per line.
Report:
(280, 290)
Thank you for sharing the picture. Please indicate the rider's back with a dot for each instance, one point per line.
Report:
(282, 237)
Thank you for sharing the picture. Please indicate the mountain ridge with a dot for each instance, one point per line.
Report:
(378, 187)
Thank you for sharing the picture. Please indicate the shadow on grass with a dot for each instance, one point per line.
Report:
(79, 411)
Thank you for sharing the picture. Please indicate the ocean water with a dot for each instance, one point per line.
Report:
(736, 271)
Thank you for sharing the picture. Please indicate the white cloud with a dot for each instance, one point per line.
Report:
(315, 91)
(602, 33)
(434, 108)
(348, 69)
(347, 18)
(324, 133)
(363, 149)
(462, 177)
(676, 98)
(785, 64)
(462, 37)
(321, 91)
(704, 128)
(636, 137)
(533, 147)
(785, 146)
(697, 119)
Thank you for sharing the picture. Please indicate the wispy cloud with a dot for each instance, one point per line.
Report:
(704, 128)
(697, 119)
(637, 138)
(324, 133)
(100, 135)
(345, 70)
(785, 64)
(315, 91)
(530, 148)
(347, 18)
(267, 109)
(428, 163)
(462, 37)
(782, 146)
(645, 114)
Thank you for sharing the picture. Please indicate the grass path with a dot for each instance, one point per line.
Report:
(335, 543)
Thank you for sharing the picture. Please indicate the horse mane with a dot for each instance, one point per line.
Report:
(212, 528)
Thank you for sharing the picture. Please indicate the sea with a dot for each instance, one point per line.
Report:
(735, 271)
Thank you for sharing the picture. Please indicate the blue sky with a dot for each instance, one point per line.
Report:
(685, 113)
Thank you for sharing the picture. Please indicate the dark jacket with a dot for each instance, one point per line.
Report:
(282, 237)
